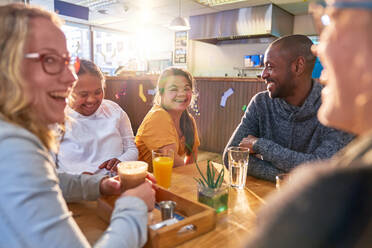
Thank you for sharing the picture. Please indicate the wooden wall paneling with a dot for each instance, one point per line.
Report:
(206, 117)
(226, 114)
(216, 123)
(208, 124)
(132, 104)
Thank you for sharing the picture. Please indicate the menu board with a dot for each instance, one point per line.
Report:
(180, 47)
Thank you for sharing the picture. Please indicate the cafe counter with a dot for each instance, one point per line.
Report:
(220, 104)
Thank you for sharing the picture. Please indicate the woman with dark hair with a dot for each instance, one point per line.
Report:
(108, 137)
(169, 125)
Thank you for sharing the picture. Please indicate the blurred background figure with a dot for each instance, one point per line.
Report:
(330, 205)
(98, 133)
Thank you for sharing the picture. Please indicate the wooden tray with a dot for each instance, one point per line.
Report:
(201, 216)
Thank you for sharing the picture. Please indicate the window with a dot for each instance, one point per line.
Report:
(112, 49)
(120, 46)
(78, 39)
(120, 49)
(108, 47)
(99, 48)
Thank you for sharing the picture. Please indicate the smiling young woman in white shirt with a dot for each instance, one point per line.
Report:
(98, 134)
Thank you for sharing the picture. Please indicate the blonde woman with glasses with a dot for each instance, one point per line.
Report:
(36, 76)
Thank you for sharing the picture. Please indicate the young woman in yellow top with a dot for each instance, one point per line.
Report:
(169, 125)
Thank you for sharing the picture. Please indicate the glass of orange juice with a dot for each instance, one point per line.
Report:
(162, 164)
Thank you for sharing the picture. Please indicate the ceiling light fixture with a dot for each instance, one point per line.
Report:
(179, 23)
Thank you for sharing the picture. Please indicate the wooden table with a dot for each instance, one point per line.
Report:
(233, 226)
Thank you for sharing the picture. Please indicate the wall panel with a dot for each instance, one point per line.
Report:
(217, 123)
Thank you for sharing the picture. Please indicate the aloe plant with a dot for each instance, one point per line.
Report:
(210, 179)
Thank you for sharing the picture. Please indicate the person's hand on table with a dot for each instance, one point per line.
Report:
(110, 164)
(145, 192)
(248, 142)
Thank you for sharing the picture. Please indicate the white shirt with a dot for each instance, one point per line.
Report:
(91, 140)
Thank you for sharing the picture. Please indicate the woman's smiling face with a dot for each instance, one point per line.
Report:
(177, 93)
(87, 94)
(47, 92)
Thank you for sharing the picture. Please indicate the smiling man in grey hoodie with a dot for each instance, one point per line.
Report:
(281, 124)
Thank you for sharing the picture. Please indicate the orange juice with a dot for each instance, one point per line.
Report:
(163, 170)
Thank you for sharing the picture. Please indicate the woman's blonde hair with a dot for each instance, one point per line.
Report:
(14, 103)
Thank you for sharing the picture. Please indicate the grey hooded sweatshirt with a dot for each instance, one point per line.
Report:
(287, 135)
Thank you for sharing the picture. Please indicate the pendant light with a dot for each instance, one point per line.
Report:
(179, 23)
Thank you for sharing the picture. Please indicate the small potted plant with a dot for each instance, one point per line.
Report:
(211, 189)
